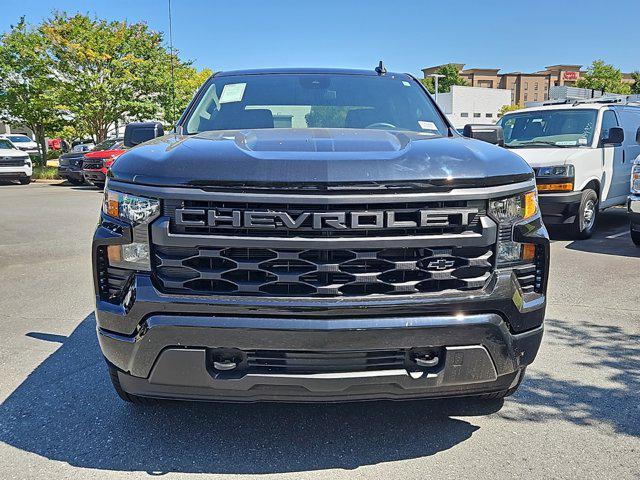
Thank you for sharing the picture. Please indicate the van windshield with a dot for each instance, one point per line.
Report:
(390, 102)
(549, 128)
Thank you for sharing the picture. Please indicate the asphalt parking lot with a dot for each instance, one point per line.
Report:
(576, 416)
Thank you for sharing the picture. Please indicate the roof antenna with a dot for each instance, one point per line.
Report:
(173, 79)
(380, 70)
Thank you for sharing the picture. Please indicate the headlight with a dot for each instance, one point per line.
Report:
(516, 208)
(635, 176)
(138, 211)
(130, 208)
(509, 211)
(555, 179)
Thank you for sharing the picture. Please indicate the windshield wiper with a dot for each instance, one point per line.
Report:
(540, 143)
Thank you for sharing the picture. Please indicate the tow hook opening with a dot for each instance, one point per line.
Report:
(227, 359)
(425, 359)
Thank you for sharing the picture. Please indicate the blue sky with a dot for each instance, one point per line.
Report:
(408, 35)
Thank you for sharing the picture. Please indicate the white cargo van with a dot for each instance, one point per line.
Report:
(582, 154)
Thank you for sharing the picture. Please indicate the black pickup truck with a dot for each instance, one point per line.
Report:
(318, 235)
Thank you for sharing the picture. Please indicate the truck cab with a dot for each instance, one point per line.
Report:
(582, 154)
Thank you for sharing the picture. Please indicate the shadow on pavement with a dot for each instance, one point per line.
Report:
(613, 353)
(66, 410)
(610, 222)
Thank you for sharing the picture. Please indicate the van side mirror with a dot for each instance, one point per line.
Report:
(487, 133)
(140, 132)
(616, 136)
(638, 135)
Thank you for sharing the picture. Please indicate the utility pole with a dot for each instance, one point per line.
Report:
(436, 76)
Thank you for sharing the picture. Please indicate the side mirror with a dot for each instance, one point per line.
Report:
(140, 132)
(487, 133)
(616, 136)
(638, 135)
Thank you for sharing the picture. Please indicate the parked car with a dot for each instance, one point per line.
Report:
(633, 204)
(22, 142)
(318, 235)
(97, 162)
(15, 164)
(70, 164)
(582, 155)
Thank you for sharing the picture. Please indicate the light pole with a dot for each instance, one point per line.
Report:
(436, 76)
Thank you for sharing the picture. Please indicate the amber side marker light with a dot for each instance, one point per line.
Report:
(114, 253)
(528, 252)
(555, 187)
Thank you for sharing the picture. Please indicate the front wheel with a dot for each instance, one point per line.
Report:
(503, 393)
(587, 217)
(128, 397)
(635, 237)
(24, 180)
(99, 185)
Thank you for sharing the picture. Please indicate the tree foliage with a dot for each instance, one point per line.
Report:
(635, 88)
(603, 77)
(451, 77)
(509, 108)
(29, 93)
(90, 74)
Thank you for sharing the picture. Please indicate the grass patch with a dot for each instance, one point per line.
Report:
(45, 173)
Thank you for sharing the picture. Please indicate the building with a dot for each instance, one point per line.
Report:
(524, 87)
(479, 105)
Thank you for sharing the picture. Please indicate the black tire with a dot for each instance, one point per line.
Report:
(635, 237)
(127, 397)
(587, 217)
(503, 393)
(99, 185)
(24, 180)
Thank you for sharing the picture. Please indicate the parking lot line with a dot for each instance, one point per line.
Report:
(619, 234)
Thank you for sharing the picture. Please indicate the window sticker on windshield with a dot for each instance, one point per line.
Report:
(582, 141)
(232, 92)
(566, 142)
(405, 83)
(427, 125)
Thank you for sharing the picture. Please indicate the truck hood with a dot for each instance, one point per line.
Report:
(549, 157)
(10, 152)
(317, 156)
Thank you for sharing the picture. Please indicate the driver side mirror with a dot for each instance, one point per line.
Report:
(140, 132)
(616, 136)
(487, 133)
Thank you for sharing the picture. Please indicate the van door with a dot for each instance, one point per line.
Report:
(614, 163)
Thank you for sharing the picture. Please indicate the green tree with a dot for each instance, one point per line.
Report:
(110, 71)
(603, 77)
(509, 108)
(29, 89)
(451, 77)
(175, 96)
(635, 87)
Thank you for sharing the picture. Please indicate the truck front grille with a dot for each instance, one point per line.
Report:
(311, 272)
(12, 162)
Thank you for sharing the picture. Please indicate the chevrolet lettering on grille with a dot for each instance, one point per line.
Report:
(340, 220)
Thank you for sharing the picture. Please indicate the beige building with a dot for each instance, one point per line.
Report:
(524, 87)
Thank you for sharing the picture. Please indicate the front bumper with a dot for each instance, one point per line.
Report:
(559, 208)
(15, 172)
(70, 172)
(633, 206)
(479, 355)
(95, 176)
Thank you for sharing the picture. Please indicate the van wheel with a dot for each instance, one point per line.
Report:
(24, 180)
(587, 217)
(128, 397)
(635, 237)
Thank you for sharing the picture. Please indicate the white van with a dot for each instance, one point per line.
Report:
(582, 154)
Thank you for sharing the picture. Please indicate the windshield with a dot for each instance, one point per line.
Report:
(19, 138)
(6, 144)
(314, 101)
(555, 128)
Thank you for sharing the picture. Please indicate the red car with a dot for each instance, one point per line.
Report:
(97, 163)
